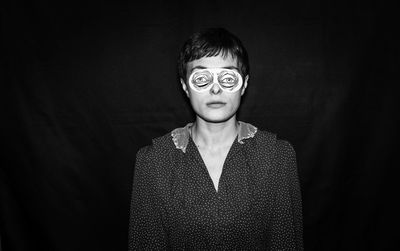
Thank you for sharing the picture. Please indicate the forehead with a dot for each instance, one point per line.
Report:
(213, 62)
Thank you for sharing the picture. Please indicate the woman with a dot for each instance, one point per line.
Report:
(217, 183)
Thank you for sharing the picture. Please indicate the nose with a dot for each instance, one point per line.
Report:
(215, 88)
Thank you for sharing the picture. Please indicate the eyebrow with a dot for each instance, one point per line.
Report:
(203, 67)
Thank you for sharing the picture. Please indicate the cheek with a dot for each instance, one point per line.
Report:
(235, 99)
(195, 97)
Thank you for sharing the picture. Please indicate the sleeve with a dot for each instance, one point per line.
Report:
(287, 223)
(146, 231)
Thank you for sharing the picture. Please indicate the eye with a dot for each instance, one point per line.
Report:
(201, 79)
(228, 80)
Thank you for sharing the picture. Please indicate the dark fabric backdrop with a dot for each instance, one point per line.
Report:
(84, 86)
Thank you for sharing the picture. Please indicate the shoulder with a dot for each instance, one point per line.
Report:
(285, 148)
(268, 145)
(155, 162)
(252, 135)
(159, 147)
(266, 138)
(277, 155)
(261, 140)
(269, 139)
(171, 143)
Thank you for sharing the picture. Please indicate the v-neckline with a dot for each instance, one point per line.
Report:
(197, 154)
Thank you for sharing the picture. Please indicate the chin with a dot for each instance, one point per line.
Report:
(216, 118)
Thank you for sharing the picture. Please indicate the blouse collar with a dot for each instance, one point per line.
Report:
(180, 136)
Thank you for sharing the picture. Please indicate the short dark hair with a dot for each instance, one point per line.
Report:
(213, 42)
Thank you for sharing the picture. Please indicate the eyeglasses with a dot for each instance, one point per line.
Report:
(202, 80)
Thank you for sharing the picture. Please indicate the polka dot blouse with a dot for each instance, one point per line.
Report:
(175, 205)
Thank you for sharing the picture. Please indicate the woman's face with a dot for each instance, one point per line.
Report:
(218, 102)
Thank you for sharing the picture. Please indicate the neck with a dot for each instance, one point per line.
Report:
(213, 135)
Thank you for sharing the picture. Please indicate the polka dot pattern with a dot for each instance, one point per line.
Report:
(176, 207)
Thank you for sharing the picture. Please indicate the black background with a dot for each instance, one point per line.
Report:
(85, 85)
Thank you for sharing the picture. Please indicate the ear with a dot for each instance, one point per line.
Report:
(184, 87)
(246, 79)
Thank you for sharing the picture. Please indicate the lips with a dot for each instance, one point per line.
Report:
(216, 104)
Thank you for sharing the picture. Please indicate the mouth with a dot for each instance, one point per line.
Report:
(216, 104)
